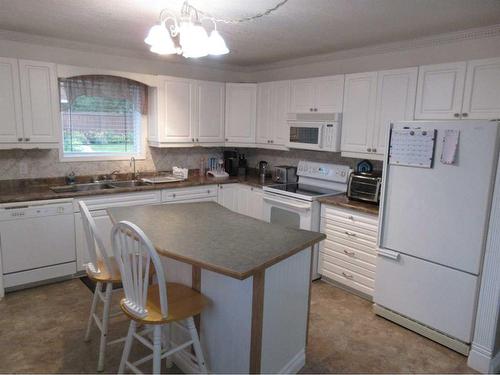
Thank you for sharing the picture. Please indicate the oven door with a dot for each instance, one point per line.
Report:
(305, 135)
(291, 212)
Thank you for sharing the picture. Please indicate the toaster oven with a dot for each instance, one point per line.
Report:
(364, 186)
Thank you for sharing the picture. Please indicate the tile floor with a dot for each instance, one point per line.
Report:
(41, 330)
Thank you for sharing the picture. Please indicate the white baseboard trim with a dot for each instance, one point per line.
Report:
(495, 364)
(184, 363)
(296, 363)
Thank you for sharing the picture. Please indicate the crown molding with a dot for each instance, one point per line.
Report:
(20, 37)
(492, 31)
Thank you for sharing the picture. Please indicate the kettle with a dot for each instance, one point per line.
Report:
(263, 167)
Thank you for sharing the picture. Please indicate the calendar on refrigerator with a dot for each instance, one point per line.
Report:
(412, 147)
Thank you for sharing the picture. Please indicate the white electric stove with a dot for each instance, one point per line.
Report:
(296, 205)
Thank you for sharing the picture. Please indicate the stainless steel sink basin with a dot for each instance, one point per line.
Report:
(129, 183)
(82, 187)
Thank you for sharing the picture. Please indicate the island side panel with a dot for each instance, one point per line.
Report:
(226, 322)
(285, 316)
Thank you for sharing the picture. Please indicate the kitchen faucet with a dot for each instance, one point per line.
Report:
(132, 164)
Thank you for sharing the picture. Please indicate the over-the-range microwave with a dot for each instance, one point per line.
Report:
(314, 131)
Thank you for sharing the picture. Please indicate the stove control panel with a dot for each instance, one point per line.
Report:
(323, 171)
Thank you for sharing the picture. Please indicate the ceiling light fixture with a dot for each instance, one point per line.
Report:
(193, 39)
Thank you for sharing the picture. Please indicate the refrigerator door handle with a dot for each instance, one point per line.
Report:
(388, 254)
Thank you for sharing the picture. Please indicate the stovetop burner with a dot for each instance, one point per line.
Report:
(303, 190)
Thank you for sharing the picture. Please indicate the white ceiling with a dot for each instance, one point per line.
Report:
(300, 28)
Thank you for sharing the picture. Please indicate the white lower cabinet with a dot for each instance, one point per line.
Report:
(348, 255)
(243, 199)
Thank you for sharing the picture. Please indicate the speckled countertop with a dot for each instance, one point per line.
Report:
(39, 189)
(344, 202)
(212, 237)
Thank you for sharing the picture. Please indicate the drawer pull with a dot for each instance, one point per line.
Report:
(350, 217)
(350, 234)
(347, 276)
(350, 253)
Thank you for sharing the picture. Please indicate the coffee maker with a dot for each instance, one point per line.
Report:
(231, 162)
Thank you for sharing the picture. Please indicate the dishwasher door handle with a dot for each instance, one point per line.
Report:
(394, 255)
(287, 203)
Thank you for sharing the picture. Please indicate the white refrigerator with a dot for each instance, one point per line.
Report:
(435, 205)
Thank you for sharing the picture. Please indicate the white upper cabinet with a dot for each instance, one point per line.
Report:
(482, 90)
(186, 112)
(280, 102)
(179, 104)
(462, 90)
(323, 94)
(210, 114)
(372, 101)
(40, 101)
(395, 102)
(358, 118)
(440, 91)
(264, 108)
(11, 130)
(241, 108)
(273, 101)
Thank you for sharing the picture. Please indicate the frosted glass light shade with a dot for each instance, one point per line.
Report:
(193, 40)
(216, 44)
(156, 34)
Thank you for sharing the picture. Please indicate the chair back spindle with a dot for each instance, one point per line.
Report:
(135, 254)
(95, 246)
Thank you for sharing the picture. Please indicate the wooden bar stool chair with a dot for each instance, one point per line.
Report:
(153, 305)
(103, 270)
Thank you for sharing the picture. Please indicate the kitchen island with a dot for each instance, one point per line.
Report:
(257, 276)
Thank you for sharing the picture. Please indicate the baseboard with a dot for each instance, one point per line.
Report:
(479, 359)
(450, 342)
(495, 364)
(295, 364)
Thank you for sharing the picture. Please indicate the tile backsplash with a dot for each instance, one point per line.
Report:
(16, 164)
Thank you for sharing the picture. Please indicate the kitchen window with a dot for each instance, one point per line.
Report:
(102, 117)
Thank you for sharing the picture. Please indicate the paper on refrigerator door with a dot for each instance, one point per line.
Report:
(450, 146)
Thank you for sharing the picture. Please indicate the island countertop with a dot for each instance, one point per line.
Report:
(212, 237)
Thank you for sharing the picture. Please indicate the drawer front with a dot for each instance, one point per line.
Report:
(352, 280)
(349, 270)
(368, 233)
(349, 254)
(102, 202)
(195, 193)
(349, 216)
(352, 238)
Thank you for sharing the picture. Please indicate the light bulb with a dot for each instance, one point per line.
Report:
(193, 40)
(216, 44)
(156, 34)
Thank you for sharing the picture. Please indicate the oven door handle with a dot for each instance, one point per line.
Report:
(287, 203)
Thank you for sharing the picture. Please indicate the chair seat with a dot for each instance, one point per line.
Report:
(183, 302)
(113, 275)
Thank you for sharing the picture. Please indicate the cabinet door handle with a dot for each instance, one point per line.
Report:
(272, 141)
(350, 253)
(19, 139)
(350, 234)
(208, 191)
(374, 150)
(27, 139)
(227, 139)
(465, 114)
(456, 115)
(347, 276)
(197, 140)
(350, 217)
(369, 149)
(221, 186)
(310, 109)
(173, 195)
(192, 139)
(315, 109)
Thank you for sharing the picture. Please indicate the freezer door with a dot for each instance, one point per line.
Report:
(440, 213)
(437, 296)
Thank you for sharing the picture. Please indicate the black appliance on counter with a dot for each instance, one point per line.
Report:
(365, 186)
(234, 164)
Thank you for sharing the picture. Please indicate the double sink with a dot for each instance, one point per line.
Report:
(101, 185)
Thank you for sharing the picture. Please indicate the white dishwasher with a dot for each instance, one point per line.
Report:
(37, 241)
